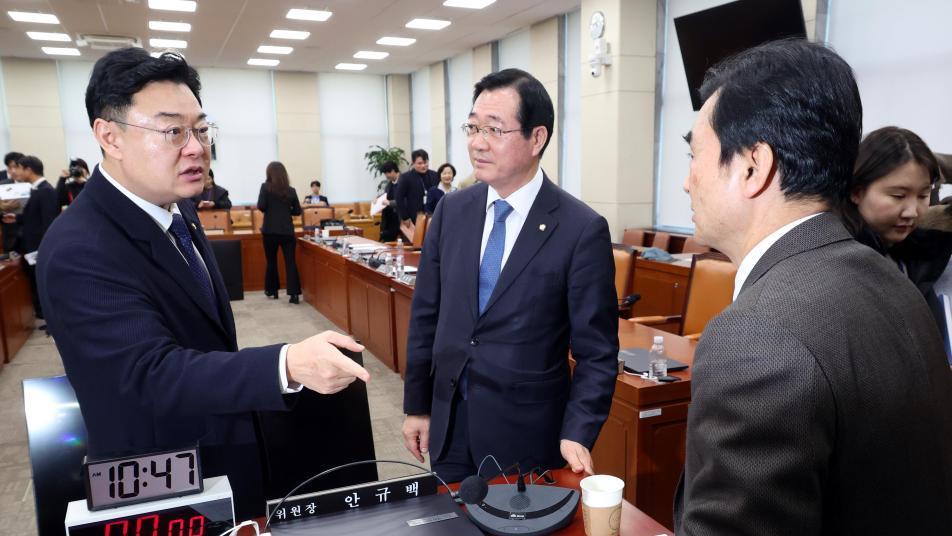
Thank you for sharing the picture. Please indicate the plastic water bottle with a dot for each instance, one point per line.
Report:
(399, 260)
(658, 366)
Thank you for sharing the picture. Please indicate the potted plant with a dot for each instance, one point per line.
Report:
(378, 155)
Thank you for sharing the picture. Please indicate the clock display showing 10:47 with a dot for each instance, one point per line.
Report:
(135, 479)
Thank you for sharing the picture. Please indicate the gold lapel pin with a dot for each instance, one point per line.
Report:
(542, 227)
(194, 228)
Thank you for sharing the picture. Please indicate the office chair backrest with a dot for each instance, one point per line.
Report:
(634, 237)
(692, 246)
(420, 229)
(661, 240)
(710, 291)
(624, 267)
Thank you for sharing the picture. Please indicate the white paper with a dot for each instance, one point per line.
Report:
(15, 191)
(379, 204)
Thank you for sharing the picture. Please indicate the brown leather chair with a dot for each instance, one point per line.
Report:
(215, 220)
(692, 246)
(314, 215)
(240, 218)
(661, 240)
(422, 220)
(344, 209)
(364, 208)
(624, 280)
(634, 237)
(710, 290)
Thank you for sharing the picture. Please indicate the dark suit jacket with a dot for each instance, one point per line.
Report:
(309, 200)
(11, 231)
(278, 212)
(153, 366)
(555, 291)
(389, 220)
(38, 213)
(217, 194)
(411, 186)
(821, 401)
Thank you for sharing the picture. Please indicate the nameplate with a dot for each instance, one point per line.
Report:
(352, 498)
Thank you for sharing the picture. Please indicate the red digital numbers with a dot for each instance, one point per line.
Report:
(150, 525)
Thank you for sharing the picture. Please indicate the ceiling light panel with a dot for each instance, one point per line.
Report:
(163, 26)
(396, 41)
(371, 55)
(48, 36)
(173, 5)
(468, 4)
(428, 24)
(309, 14)
(351, 66)
(167, 43)
(55, 51)
(289, 34)
(270, 49)
(39, 18)
(263, 62)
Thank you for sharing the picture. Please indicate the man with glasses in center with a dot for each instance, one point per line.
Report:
(134, 298)
(514, 273)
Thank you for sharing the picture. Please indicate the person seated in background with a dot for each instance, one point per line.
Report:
(315, 199)
(389, 220)
(889, 194)
(213, 196)
(71, 182)
(11, 231)
(446, 173)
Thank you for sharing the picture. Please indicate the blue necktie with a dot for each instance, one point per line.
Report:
(492, 258)
(180, 231)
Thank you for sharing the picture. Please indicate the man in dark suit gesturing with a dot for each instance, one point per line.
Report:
(514, 273)
(821, 402)
(134, 298)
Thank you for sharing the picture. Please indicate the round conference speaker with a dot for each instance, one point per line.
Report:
(540, 510)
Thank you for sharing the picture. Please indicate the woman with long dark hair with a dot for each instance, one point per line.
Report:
(889, 194)
(278, 201)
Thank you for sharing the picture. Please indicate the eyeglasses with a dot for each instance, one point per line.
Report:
(470, 130)
(179, 136)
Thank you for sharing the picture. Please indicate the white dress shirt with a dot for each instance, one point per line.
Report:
(521, 201)
(163, 218)
(747, 265)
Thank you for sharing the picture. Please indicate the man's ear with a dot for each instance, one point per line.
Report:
(761, 169)
(107, 137)
(538, 137)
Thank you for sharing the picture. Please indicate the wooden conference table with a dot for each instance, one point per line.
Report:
(634, 522)
(642, 442)
(16, 309)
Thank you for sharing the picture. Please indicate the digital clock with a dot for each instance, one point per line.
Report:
(135, 479)
(207, 514)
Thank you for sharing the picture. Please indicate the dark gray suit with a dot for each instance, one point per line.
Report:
(820, 400)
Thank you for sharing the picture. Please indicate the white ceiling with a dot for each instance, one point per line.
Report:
(225, 33)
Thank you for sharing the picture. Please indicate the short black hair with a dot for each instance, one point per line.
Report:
(439, 170)
(12, 157)
(31, 162)
(535, 106)
(315, 183)
(419, 153)
(801, 99)
(73, 162)
(122, 73)
(389, 167)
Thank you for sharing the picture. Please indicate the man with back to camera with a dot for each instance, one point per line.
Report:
(514, 271)
(412, 186)
(135, 300)
(821, 402)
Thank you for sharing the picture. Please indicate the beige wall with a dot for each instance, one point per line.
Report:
(482, 61)
(438, 113)
(398, 111)
(31, 89)
(298, 118)
(545, 63)
(618, 115)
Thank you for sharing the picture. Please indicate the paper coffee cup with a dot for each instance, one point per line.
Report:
(601, 504)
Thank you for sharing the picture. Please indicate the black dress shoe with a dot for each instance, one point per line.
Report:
(294, 299)
(272, 295)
